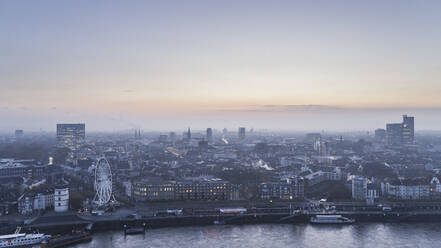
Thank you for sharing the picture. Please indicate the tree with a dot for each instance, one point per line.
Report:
(60, 155)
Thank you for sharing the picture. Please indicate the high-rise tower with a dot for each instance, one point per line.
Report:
(407, 130)
(401, 134)
(188, 134)
(209, 135)
(71, 136)
(241, 133)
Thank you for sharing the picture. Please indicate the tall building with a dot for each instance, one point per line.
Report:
(209, 135)
(401, 134)
(241, 133)
(137, 133)
(61, 198)
(71, 136)
(407, 130)
(393, 134)
(359, 188)
(322, 147)
(18, 134)
(188, 134)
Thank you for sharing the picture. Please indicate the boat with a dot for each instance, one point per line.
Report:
(70, 239)
(23, 239)
(331, 219)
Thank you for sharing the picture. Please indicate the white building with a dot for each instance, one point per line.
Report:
(408, 189)
(359, 188)
(417, 189)
(35, 201)
(320, 176)
(61, 198)
(408, 192)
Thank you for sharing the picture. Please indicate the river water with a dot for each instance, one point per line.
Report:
(278, 235)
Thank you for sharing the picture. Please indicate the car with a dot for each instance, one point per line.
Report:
(387, 209)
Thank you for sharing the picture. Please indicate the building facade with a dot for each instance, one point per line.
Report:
(401, 134)
(31, 202)
(10, 168)
(185, 191)
(408, 130)
(393, 134)
(408, 192)
(153, 191)
(206, 190)
(61, 198)
(209, 135)
(359, 188)
(330, 174)
(289, 189)
(71, 136)
(241, 133)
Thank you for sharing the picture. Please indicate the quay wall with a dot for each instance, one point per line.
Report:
(179, 221)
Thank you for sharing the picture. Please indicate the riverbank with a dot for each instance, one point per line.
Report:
(66, 223)
(192, 215)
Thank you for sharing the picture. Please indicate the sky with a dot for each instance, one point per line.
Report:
(159, 65)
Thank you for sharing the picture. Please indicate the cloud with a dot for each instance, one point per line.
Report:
(311, 108)
(285, 108)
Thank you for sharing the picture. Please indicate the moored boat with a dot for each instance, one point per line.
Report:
(331, 219)
(22, 239)
(64, 240)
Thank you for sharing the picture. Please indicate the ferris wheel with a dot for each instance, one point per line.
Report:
(103, 182)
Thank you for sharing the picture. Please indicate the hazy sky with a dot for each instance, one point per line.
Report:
(173, 64)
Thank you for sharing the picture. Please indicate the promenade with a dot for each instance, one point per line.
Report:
(284, 212)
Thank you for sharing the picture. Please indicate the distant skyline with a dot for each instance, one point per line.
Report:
(158, 65)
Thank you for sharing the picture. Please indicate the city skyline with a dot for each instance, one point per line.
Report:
(201, 123)
(323, 120)
(155, 65)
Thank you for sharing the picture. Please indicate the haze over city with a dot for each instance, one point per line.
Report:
(168, 65)
(228, 123)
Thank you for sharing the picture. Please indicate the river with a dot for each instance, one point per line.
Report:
(278, 235)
